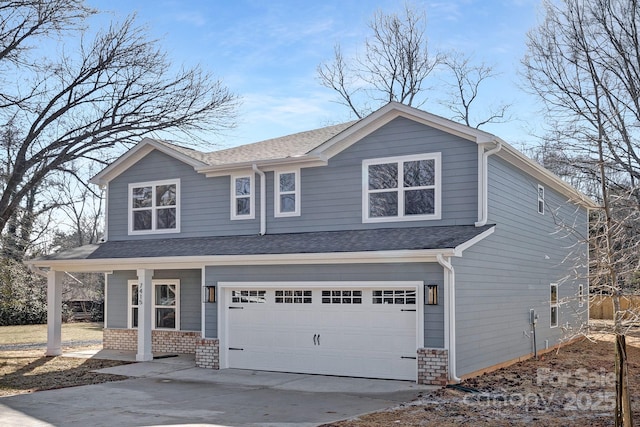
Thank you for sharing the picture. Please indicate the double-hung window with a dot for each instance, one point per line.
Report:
(554, 305)
(287, 193)
(154, 207)
(401, 188)
(165, 304)
(242, 197)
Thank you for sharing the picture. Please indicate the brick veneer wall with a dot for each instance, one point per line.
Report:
(208, 353)
(432, 366)
(182, 342)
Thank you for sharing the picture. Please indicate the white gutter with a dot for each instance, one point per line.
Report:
(263, 200)
(483, 183)
(450, 321)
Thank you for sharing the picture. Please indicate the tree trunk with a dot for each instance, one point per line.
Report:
(623, 416)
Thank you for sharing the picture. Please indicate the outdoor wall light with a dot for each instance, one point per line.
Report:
(209, 294)
(431, 295)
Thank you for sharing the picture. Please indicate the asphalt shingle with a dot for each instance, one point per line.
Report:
(386, 239)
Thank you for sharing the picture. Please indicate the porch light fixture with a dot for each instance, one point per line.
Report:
(431, 295)
(210, 294)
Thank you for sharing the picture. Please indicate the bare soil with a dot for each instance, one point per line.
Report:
(26, 371)
(574, 386)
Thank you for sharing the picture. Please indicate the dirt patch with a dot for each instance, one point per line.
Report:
(572, 387)
(28, 371)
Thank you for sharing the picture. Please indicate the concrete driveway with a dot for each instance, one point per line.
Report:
(178, 394)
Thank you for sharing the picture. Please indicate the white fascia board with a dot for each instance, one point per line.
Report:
(264, 165)
(466, 245)
(388, 113)
(163, 263)
(128, 159)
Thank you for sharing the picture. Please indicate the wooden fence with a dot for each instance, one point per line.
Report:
(601, 306)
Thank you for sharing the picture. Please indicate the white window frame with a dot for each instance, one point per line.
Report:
(277, 209)
(541, 203)
(437, 198)
(130, 306)
(553, 305)
(234, 197)
(159, 282)
(154, 283)
(153, 207)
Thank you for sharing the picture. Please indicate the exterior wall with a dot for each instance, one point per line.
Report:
(499, 279)
(433, 366)
(205, 203)
(331, 196)
(208, 353)
(190, 297)
(430, 273)
(161, 341)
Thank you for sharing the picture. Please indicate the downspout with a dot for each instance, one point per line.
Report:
(451, 316)
(483, 184)
(263, 200)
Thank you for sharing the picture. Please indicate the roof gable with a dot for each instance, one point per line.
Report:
(140, 150)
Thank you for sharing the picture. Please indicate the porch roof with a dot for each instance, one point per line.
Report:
(370, 240)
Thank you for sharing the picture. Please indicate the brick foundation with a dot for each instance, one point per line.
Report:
(432, 366)
(208, 353)
(182, 342)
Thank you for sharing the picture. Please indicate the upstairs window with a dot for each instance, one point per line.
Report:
(287, 194)
(401, 188)
(242, 197)
(154, 207)
(541, 199)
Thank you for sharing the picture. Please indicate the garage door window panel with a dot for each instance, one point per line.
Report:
(294, 296)
(248, 296)
(394, 296)
(342, 297)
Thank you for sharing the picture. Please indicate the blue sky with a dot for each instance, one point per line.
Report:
(267, 52)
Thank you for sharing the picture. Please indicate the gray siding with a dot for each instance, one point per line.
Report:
(427, 272)
(117, 295)
(331, 196)
(190, 297)
(502, 277)
(205, 203)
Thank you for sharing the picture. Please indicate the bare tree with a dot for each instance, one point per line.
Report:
(107, 89)
(394, 66)
(584, 62)
(465, 88)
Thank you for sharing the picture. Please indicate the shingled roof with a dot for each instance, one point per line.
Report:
(295, 145)
(387, 239)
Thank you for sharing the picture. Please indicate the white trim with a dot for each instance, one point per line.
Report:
(176, 306)
(556, 305)
(105, 321)
(130, 284)
(131, 157)
(105, 235)
(400, 189)
(223, 311)
(365, 257)
(251, 197)
(153, 207)
(466, 245)
(277, 213)
(203, 304)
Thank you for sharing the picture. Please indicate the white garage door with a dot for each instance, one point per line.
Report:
(362, 332)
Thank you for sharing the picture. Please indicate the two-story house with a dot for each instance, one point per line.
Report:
(401, 245)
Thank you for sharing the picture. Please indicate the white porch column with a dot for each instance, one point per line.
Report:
(54, 313)
(145, 315)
